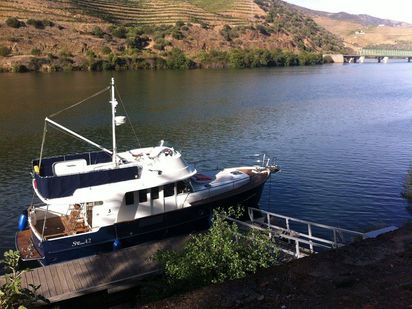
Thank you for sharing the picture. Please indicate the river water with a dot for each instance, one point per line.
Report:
(342, 134)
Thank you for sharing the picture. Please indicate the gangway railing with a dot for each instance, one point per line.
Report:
(308, 237)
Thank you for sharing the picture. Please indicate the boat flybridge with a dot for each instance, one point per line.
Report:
(100, 201)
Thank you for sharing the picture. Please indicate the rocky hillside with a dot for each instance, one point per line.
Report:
(360, 31)
(49, 35)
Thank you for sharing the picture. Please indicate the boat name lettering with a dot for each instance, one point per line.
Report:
(79, 243)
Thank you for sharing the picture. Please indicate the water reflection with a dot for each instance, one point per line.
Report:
(341, 133)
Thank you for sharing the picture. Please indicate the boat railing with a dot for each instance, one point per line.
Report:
(302, 231)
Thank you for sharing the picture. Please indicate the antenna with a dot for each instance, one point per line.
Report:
(114, 103)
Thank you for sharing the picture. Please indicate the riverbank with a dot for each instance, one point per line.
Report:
(374, 273)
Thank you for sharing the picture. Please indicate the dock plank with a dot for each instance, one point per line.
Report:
(94, 273)
(87, 276)
(58, 284)
(72, 271)
(50, 281)
(109, 271)
(63, 281)
(42, 279)
(67, 276)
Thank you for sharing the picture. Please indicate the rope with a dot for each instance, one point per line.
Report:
(127, 115)
(80, 102)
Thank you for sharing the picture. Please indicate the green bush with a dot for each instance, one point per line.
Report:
(97, 31)
(179, 24)
(36, 52)
(161, 43)
(177, 60)
(36, 23)
(12, 295)
(221, 254)
(106, 50)
(4, 51)
(138, 42)
(14, 22)
(228, 33)
(119, 32)
(19, 68)
(48, 23)
(178, 35)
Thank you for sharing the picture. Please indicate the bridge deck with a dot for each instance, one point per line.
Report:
(97, 273)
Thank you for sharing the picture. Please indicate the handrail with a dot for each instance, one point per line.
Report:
(298, 241)
(252, 209)
(300, 237)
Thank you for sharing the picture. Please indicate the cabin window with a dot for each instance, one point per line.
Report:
(183, 187)
(154, 193)
(129, 198)
(169, 189)
(142, 196)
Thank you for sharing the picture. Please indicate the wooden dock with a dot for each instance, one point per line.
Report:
(114, 270)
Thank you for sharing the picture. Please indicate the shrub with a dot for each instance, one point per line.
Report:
(36, 23)
(119, 32)
(12, 295)
(262, 29)
(178, 35)
(4, 51)
(161, 43)
(97, 31)
(36, 52)
(106, 50)
(228, 33)
(179, 24)
(221, 254)
(19, 68)
(14, 22)
(177, 60)
(138, 42)
(48, 23)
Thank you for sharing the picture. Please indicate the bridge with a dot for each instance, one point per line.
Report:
(382, 55)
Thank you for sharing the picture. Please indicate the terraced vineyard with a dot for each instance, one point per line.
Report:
(233, 12)
(57, 10)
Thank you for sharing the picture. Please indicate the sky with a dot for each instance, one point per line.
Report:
(400, 10)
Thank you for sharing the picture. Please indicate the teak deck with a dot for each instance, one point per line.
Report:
(97, 273)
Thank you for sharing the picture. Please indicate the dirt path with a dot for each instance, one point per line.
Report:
(374, 273)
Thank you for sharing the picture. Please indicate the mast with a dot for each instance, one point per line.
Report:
(114, 103)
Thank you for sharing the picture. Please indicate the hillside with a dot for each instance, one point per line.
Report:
(362, 30)
(50, 35)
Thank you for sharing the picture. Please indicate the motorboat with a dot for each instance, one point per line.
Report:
(104, 200)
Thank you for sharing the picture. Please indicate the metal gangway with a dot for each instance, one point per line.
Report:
(297, 237)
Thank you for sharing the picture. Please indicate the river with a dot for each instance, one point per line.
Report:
(342, 134)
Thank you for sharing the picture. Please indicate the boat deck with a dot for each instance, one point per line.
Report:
(59, 226)
(27, 249)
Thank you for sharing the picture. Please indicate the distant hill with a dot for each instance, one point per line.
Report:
(77, 34)
(362, 19)
(363, 30)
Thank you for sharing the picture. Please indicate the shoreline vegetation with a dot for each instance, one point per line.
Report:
(135, 47)
(176, 59)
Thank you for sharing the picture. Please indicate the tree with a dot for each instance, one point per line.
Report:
(12, 295)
